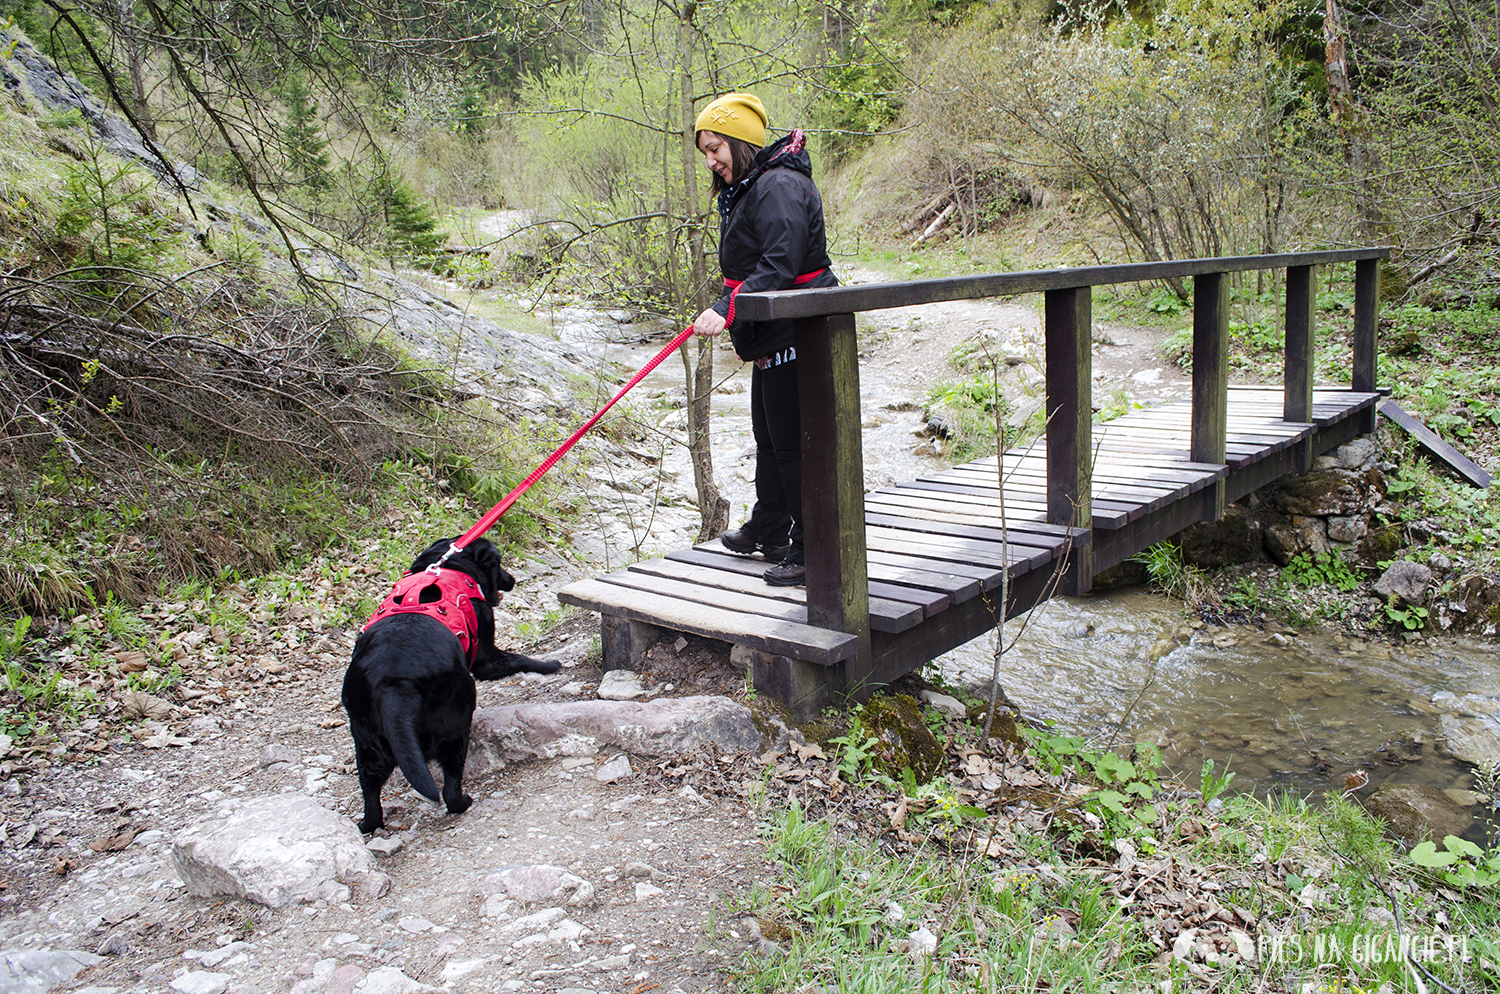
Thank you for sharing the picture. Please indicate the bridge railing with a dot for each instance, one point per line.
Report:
(828, 383)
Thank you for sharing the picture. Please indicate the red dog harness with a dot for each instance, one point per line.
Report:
(452, 607)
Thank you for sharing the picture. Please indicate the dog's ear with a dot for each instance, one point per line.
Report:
(487, 561)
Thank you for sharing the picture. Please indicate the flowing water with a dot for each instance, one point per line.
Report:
(1287, 710)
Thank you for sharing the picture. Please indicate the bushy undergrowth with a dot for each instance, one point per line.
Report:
(129, 606)
(1067, 867)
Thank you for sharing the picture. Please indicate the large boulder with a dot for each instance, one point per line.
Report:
(276, 850)
(1290, 536)
(1406, 581)
(1238, 537)
(35, 83)
(1415, 813)
(1325, 492)
(664, 727)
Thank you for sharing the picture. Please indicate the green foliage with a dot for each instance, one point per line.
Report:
(1171, 575)
(861, 99)
(306, 149)
(1460, 862)
(106, 203)
(471, 113)
(1213, 786)
(1166, 302)
(12, 642)
(1120, 784)
(1411, 617)
(970, 408)
(858, 751)
(410, 222)
(1309, 569)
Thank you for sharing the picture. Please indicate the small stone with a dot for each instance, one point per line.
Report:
(385, 846)
(615, 770)
(950, 706)
(199, 982)
(645, 891)
(114, 944)
(620, 685)
(415, 924)
(278, 753)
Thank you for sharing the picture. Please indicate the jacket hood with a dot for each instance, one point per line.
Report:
(789, 152)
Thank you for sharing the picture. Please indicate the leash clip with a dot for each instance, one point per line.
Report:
(453, 550)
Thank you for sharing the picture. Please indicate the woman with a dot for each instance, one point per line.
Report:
(771, 237)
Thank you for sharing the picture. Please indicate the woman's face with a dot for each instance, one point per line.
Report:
(716, 155)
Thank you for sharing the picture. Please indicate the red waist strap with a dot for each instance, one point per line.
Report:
(452, 608)
(734, 289)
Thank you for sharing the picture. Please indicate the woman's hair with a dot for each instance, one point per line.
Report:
(741, 154)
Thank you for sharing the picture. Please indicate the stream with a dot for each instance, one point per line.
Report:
(1288, 710)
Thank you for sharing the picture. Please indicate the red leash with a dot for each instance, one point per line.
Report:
(487, 522)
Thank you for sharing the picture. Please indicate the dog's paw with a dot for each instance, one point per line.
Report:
(461, 805)
(368, 825)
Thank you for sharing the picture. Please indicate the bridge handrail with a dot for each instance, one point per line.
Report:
(828, 388)
(779, 304)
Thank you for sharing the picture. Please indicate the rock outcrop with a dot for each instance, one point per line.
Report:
(667, 727)
(276, 850)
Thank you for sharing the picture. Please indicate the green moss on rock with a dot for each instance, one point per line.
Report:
(903, 740)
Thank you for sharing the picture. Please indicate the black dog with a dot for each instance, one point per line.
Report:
(409, 690)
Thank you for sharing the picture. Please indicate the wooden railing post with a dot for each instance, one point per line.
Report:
(1210, 417)
(1297, 378)
(1366, 320)
(833, 487)
(1301, 296)
(1070, 412)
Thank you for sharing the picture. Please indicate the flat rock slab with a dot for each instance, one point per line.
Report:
(666, 727)
(276, 850)
(30, 971)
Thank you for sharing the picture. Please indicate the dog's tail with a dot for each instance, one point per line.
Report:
(401, 733)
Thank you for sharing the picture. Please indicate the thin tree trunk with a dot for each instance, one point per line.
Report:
(713, 507)
(1347, 112)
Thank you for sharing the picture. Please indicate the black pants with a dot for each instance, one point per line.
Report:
(776, 419)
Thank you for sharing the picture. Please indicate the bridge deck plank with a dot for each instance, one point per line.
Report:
(936, 543)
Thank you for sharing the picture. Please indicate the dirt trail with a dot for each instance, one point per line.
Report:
(671, 852)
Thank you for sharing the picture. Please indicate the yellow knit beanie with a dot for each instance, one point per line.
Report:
(738, 115)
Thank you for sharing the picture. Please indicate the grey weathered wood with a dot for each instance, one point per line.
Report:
(877, 296)
(933, 547)
(1470, 471)
(1210, 377)
(1070, 413)
(1366, 321)
(782, 638)
(833, 475)
(1297, 381)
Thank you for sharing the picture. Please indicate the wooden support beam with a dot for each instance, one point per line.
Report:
(1366, 318)
(1469, 471)
(1070, 413)
(1366, 321)
(1210, 419)
(833, 477)
(1301, 296)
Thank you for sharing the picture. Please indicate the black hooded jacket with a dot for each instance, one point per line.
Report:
(771, 232)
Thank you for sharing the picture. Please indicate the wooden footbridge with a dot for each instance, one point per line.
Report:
(901, 575)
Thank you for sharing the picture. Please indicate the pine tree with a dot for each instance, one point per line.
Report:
(409, 220)
(306, 148)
